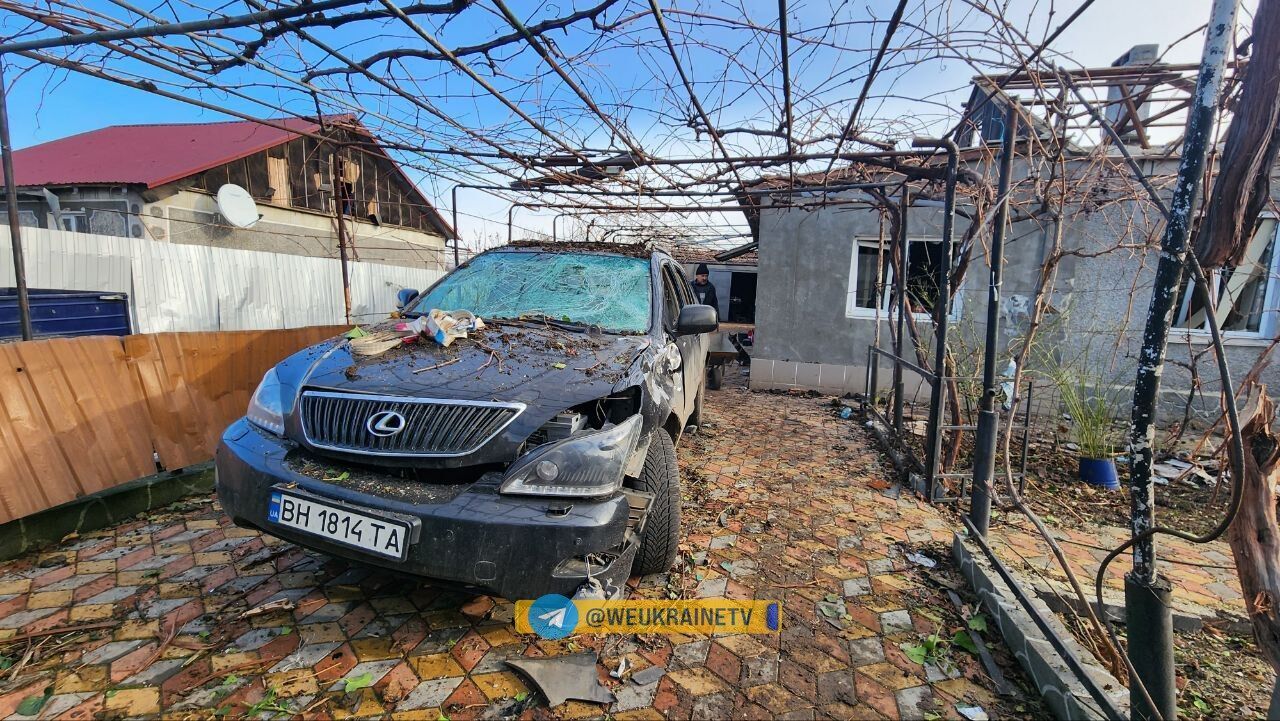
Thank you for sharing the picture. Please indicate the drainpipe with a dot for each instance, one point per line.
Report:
(942, 307)
(11, 204)
(984, 462)
(1147, 594)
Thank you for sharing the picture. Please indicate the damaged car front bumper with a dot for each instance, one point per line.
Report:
(465, 534)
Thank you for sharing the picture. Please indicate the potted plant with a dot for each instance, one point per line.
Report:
(1094, 429)
(1093, 425)
(1090, 388)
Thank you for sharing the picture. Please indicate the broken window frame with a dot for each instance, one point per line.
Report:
(887, 288)
(1267, 233)
(80, 221)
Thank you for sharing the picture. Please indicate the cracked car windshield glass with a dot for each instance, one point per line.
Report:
(608, 291)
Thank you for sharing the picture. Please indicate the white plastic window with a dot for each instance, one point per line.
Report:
(865, 296)
(1243, 297)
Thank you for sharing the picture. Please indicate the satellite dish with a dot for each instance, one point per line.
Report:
(237, 206)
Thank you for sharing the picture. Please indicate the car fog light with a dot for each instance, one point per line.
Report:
(547, 470)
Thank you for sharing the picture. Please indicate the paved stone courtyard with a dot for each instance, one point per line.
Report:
(783, 501)
(1207, 586)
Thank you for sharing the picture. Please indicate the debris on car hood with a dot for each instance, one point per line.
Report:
(446, 326)
(372, 344)
(525, 362)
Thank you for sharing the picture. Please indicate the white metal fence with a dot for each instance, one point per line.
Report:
(176, 287)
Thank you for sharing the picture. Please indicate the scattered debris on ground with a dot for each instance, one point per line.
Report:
(779, 505)
(1221, 673)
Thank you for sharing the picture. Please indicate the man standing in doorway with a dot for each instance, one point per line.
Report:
(703, 290)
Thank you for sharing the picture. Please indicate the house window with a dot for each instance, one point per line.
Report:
(864, 297)
(1242, 296)
(73, 221)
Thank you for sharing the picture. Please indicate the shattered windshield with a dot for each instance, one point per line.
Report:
(604, 290)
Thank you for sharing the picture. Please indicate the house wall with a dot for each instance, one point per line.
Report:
(804, 340)
(191, 217)
(101, 209)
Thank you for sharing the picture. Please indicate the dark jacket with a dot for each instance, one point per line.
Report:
(706, 294)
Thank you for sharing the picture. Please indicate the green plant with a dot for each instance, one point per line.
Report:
(932, 649)
(355, 683)
(269, 703)
(32, 704)
(1093, 414)
(962, 639)
(1090, 376)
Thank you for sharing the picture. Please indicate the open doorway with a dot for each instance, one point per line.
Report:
(742, 298)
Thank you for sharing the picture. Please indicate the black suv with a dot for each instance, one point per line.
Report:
(525, 459)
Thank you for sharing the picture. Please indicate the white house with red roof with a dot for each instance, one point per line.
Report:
(159, 182)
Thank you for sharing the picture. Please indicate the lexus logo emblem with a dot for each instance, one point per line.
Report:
(385, 423)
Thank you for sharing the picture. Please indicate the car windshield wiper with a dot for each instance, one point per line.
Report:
(544, 319)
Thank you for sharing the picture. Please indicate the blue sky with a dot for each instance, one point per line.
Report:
(630, 78)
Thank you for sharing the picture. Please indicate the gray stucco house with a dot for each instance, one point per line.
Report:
(825, 281)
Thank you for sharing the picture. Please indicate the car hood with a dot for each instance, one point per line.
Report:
(540, 366)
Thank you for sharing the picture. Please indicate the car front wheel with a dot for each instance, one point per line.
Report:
(661, 477)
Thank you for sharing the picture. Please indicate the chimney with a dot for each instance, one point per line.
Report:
(1136, 56)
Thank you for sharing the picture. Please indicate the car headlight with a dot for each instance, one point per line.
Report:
(266, 408)
(584, 465)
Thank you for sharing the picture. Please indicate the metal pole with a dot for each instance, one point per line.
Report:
(11, 204)
(873, 367)
(942, 307)
(787, 115)
(1026, 437)
(457, 237)
(1146, 593)
(984, 462)
(900, 289)
(339, 198)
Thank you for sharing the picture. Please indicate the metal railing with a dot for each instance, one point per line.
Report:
(927, 465)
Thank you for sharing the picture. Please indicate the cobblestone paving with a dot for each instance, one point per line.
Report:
(782, 503)
(1205, 581)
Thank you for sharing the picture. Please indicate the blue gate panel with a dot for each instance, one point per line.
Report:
(66, 313)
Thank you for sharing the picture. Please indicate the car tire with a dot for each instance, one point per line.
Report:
(715, 376)
(661, 477)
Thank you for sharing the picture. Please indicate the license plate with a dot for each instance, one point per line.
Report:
(341, 524)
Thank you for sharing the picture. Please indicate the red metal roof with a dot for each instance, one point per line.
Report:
(149, 155)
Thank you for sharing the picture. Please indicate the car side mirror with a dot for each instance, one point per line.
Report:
(695, 319)
(404, 296)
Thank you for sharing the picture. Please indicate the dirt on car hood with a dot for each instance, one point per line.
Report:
(532, 363)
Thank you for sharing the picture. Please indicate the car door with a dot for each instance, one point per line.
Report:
(693, 348)
(671, 301)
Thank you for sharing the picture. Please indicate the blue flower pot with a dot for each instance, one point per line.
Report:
(1099, 472)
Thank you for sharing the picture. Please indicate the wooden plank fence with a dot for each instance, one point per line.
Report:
(84, 414)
